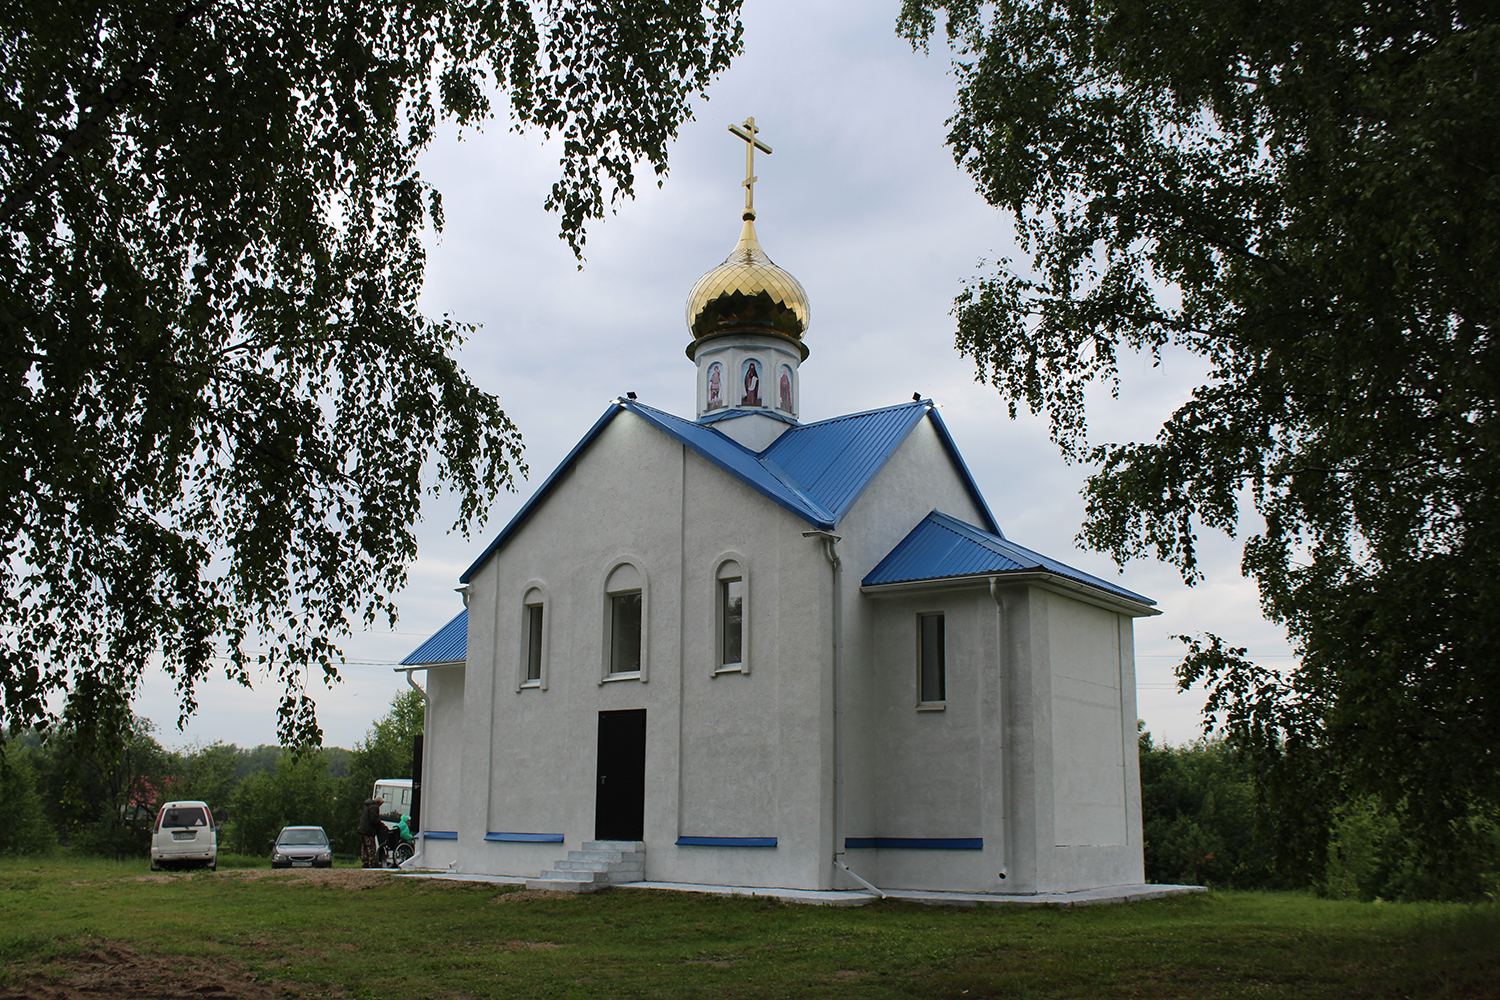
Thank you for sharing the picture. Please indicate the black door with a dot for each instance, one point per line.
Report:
(620, 802)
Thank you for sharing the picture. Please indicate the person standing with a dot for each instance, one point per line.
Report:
(370, 827)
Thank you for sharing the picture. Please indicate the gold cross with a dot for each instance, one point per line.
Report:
(748, 132)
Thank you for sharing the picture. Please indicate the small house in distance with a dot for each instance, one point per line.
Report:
(761, 652)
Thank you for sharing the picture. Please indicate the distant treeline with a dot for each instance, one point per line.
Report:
(55, 796)
(1197, 804)
(1199, 818)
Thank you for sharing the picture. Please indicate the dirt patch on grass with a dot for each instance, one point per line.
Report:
(346, 878)
(524, 895)
(105, 969)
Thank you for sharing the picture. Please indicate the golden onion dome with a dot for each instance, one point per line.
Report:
(748, 294)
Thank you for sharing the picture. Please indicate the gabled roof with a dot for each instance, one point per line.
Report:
(942, 547)
(817, 471)
(448, 644)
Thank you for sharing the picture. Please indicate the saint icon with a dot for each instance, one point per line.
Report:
(752, 384)
(715, 386)
(785, 388)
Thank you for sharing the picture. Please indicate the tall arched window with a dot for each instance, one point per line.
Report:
(625, 618)
(534, 646)
(731, 619)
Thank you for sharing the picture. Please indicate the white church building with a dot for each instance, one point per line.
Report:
(771, 653)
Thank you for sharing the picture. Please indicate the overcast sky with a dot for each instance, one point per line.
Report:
(863, 203)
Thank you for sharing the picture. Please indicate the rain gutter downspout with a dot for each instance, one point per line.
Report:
(830, 549)
(411, 862)
(1005, 762)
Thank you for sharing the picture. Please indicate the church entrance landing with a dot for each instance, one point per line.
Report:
(620, 792)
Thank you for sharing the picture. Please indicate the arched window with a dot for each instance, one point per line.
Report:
(534, 646)
(731, 621)
(625, 619)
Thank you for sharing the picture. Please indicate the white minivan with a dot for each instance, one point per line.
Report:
(185, 833)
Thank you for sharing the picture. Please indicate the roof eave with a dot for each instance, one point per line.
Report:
(1085, 592)
(407, 668)
(542, 491)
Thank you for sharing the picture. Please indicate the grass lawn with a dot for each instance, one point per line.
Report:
(367, 935)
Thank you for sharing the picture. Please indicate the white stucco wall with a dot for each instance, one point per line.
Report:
(917, 479)
(1088, 756)
(933, 774)
(442, 759)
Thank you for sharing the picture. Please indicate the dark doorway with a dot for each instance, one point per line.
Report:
(620, 802)
(415, 823)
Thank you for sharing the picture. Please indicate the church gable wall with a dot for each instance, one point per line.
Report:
(616, 506)
(727, 767)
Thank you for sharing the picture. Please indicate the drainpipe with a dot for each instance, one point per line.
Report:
(1005, 748)
(411, 862)
(830, 549)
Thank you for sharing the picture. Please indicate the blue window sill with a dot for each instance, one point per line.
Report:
(726, 841)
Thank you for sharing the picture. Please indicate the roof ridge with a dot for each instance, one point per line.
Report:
(929, 404)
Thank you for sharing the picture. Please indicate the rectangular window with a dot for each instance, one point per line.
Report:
(932, 667)
(625, 633)
(732, 617)
(534, 642)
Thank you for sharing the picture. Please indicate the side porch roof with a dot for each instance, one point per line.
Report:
(941, 547)
(447, 645)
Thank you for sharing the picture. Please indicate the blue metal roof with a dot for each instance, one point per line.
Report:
(817, 471)
(834, 460)
(449, 643)
(942, 546)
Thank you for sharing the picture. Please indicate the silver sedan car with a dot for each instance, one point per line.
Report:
(302, 847)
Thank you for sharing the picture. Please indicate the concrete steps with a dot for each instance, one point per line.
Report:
(600, 863)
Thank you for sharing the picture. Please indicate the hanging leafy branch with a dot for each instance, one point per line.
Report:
(1305, 197)
(217, 394)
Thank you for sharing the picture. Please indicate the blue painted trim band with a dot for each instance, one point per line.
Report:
(440, 834)
(726, 841)
(917, 843)
(526, 838)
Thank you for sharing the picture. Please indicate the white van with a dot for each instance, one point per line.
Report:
(397, 795)
(185, 833)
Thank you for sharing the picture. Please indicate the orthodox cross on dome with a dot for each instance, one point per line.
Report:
(748, 131)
